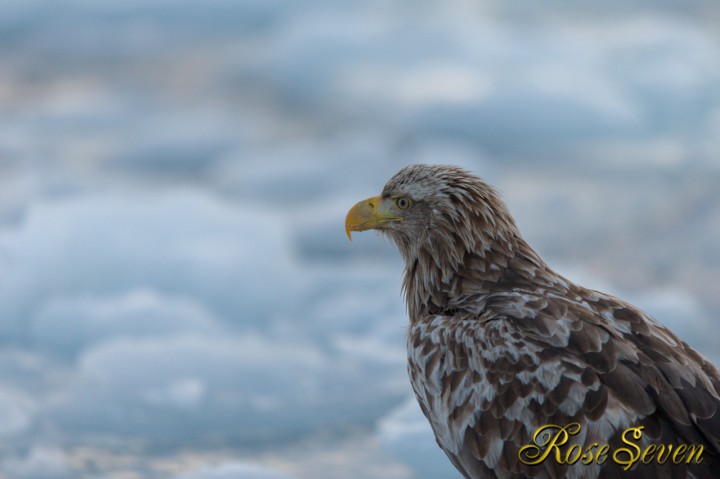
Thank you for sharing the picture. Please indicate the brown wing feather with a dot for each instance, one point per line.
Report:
(487, 383)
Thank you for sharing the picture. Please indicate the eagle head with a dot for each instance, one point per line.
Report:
(441, 210)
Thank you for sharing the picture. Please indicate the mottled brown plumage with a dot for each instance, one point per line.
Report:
(499, 344)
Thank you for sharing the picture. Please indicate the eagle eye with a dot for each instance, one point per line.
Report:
(403, 202)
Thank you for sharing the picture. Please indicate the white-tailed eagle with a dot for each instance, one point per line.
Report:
(500, 346)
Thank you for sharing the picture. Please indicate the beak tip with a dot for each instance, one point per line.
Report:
(348, 232)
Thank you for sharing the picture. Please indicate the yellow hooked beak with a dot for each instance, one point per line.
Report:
(371, 213)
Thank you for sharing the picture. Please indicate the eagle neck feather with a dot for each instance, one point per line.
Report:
(436, 266)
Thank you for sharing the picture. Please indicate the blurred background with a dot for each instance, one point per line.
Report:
(177, 295)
